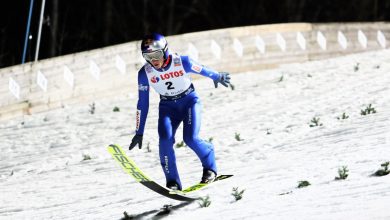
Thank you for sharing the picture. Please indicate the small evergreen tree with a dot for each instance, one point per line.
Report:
(86, 157)
(315, 122)
(303, 183)
(180, 144)
(343, 173)
(237, 194)
(369, 110)
(204, 202)
(356, 67)
(343, 117)
(384, 171)
(127, 216)
(237, 137)
(148, 148)
(92, 108)
(165, 210)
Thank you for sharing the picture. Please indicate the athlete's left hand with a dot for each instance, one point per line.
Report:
(224, 79)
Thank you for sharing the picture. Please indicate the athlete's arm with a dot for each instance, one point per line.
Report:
(143, 101)
(192, 66)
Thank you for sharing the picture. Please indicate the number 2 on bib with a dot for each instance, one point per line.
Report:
(169, 85)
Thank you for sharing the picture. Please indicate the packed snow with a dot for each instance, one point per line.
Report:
(55, 165)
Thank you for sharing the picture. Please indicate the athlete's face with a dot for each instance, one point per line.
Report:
(156, 58)
(157, 63)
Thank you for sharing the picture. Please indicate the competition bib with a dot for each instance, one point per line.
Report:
(171, 82)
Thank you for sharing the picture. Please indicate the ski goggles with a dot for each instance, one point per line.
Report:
(154, 55)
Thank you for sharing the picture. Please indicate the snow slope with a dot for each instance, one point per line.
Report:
(45, 172)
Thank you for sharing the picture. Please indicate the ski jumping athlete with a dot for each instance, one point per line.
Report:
(169, 74)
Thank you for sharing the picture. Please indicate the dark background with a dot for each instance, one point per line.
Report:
(78, 25)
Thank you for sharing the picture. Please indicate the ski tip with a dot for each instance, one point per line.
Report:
(113, 145)
(225, 176)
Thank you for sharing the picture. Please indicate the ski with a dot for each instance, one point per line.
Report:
(202, 185)
(131, 168)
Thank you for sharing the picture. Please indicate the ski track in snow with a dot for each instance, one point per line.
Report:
(43, 174)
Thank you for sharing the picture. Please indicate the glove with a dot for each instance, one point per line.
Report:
(137, 139)
(224, 79)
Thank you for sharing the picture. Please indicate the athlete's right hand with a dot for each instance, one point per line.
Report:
(137, 139)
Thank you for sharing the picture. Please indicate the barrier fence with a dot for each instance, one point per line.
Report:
(91, 75)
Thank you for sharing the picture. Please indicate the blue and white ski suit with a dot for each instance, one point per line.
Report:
(178, 103)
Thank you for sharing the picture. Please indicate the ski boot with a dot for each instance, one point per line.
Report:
(173, 186)
(208, 176)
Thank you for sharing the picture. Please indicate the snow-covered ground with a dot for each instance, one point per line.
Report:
(45, 172)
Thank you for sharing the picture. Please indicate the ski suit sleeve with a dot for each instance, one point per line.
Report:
(192, 66)
(143, 102)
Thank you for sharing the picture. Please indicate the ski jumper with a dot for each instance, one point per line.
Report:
(178, 103)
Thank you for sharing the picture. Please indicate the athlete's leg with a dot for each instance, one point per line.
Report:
(191, 126)
(167, 127)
